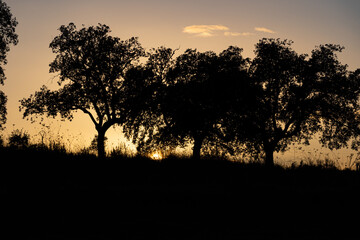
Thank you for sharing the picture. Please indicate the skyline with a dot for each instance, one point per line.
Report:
(184, 24)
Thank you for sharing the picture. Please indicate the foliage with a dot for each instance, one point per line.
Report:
(145, 89)
(92, 67)
(219, 102)
(299, 96)
(3, 111)
(7, 37)
(19, 139)
(191, 97)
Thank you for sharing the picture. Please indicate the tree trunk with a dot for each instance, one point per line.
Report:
(101, 143)
(197, 147)
(269, 155)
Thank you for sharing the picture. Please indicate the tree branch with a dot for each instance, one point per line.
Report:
(91, 116)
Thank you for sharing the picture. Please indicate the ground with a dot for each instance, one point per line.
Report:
(60, 196)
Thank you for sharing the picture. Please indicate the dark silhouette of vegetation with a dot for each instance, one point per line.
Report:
(188, 99)
(145, 88)
(212, 101)
(3, 111)
(200, 95)
(55, 195)
(222, 101)
(8, 37)
(1, 141)
(92, 67)
(277, 98)
(94, 143)
(19, 139)
(299, 96)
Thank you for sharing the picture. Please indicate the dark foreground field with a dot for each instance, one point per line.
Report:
(47, 195)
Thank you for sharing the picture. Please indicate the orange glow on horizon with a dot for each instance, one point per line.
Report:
(174, 24)
(156, 156)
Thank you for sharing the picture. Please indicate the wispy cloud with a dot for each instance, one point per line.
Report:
(211, 30)
(265, 30)
(237, 34)
(204, 30)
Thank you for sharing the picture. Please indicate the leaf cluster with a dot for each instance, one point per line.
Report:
(8, 36)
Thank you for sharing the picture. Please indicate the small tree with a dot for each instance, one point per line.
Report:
(92, 68)
(7, 37)
(19, 139)
(300, 96)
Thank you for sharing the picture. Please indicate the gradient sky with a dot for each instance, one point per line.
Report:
(205, 25)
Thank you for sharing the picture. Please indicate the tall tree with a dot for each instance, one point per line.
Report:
(192, 96)
(300, 96)
(7, 37)
(145, 90)
(92, 67)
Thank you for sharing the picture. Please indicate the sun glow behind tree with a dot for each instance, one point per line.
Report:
(27, 69)
(157, 156)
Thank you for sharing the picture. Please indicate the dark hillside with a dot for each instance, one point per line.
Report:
(52, 195)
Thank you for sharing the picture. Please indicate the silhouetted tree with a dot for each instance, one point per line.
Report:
(94, 143)
(7, 37)
(190, 97)
(300, 96)
(145, 88)
(92, 67)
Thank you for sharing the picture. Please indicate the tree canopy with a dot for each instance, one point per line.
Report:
(92, 67)
(299, 96)
(203, 98)
(8, 37)
(192, 97)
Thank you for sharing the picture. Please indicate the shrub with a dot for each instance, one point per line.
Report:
(19, 139)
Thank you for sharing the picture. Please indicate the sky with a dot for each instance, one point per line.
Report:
(204, 25)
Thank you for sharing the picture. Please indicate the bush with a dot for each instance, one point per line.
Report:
(19, 139)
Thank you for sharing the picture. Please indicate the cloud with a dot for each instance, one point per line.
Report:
(210, 31)
(237, 34)
(265, 30)
(204, 30)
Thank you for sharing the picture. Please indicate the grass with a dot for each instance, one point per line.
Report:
(53, 194)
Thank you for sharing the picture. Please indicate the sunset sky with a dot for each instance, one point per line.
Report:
(205, 25)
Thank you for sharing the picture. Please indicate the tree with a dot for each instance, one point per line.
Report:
(94, 143)
(7, 37)
(190, 97)
(145, 90)
(92, 67)
(300, 96)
